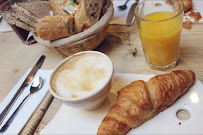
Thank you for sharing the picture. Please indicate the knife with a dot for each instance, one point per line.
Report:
(131, 13)
(19, 91)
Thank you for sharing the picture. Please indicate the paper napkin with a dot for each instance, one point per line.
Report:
(4, 26)
(120, 16)
(30, 104)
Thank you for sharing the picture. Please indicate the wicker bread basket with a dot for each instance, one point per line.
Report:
(84, 41)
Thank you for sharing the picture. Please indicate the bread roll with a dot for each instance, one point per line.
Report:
(55, 27)
(141, 101)
(87, 14)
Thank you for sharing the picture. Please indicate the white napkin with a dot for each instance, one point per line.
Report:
(4, 26)
(30, 104)
(120, 16)
(78, 122)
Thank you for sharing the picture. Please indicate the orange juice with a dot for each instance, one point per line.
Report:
(160, 36)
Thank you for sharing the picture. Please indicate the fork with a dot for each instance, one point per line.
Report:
(124, 6)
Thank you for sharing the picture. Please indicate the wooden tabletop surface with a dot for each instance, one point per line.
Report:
(122, 45)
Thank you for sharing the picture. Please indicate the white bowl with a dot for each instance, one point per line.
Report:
(92, 100)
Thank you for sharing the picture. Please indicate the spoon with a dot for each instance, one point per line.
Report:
(124, 6)
(36, 85)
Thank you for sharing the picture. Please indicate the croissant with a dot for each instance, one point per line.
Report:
(141, 101)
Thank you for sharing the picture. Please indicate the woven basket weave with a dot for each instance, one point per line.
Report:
(84, 41)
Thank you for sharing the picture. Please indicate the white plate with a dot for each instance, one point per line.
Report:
(74, 121)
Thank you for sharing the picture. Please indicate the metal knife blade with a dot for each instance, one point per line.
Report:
(130, 16)
(24, 84)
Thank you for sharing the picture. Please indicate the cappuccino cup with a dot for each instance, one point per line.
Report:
(82, 80)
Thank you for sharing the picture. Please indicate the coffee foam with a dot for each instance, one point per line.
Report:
(81, 75)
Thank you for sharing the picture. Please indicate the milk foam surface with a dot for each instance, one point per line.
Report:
(81, 75)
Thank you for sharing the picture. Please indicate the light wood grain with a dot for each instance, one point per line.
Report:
(56, 104)
(34, 121)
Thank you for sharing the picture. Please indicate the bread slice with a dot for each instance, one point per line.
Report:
(16, 22)
(23, 17)
(93, 9)
(55, 27)
(26, 15)
(35, 10)
(87, 14)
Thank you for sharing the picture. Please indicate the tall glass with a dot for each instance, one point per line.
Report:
(159, 23)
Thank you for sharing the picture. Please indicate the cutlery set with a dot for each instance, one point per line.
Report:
(36, 85)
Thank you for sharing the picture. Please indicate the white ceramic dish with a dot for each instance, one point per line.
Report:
(68, 120)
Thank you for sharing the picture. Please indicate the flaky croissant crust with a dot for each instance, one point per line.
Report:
(141, 101)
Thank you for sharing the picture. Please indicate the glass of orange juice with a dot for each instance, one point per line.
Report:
(159, 24)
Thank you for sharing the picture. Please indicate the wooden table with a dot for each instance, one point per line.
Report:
(122, 45)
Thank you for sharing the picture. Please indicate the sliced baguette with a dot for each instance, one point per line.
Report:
(55, 27)
(93, 9)
(87, 14)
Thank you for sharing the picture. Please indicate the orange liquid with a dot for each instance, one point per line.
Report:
(161, 39)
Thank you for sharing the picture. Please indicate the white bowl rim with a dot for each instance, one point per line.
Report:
(72, 100)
